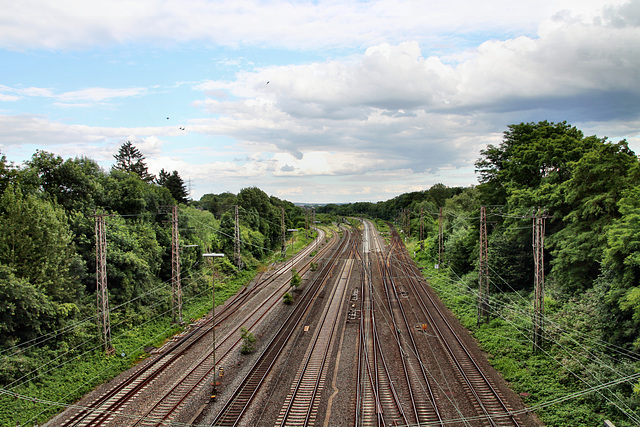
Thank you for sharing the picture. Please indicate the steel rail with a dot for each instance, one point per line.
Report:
(305, 390)
(382, 382)
(433, 411)
(235, 407)
(462, 352)
(106, 405)
(190, 385)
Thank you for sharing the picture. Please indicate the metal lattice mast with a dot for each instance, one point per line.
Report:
(538, 259)
(236, 246)
(313, 222)
(306, 228)
(483, 269)
(176, 285)
(408, 223)
(421, 229)
(440, 237)
(284, 238)
(102, 293)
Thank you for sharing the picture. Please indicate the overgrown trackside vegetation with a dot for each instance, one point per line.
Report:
(51, 351)
(589, 188)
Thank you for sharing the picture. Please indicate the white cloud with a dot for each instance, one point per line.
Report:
(432, 84)
(399, 108)
(65, 24)
(78, 98)
(8, 98)
(100, 94)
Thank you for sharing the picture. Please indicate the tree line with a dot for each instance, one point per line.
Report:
(47, 245)
(589, 189)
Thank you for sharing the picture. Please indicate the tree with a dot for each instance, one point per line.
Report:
(528, 154)
(622, 268)
(76, 184)
(262, 213)
(248, 341)
(217, 204)
(597, 184)
(25, 310)
(7, 173)
(36, 243)
(134, 259)
(162, 178)
(296, 280)
(175, 184)
(130, 159)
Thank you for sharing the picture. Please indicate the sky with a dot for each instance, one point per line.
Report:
(324, 101)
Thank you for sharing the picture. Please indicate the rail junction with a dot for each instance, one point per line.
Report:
(365, 343)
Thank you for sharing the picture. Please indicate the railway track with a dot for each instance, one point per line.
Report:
(111, 405)
(490, 407)
(421, 400)
(234, 409)
(379, 391)
(301, 405)
(411, 367)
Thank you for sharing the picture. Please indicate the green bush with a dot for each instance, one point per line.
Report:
(287, 298)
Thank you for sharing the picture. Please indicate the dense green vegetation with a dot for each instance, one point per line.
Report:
(50, 344)
(589, 188)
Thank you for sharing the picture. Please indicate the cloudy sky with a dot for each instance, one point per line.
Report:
(311, 101)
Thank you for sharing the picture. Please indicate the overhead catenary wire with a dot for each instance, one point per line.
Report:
(628, 411)
(29, 374)
(72, 327)
(527, 216)
(594, 356)
(108, 367)
(11, 385)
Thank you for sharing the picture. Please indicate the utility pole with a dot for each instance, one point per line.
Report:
(102, 293)
(440, 238)
(236, 246)
(538, 259)
(176, 285)
(190, 187)
(306, 227)
(213, 256)
(421, 229)
(284, 238)
(483, 269)
(313, 221)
